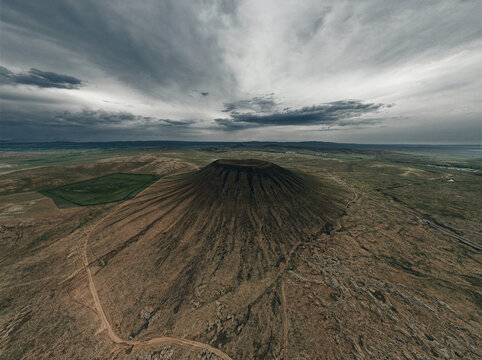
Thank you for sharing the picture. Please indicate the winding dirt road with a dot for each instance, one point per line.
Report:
(174, 339)
(106, 324)
(285, 320)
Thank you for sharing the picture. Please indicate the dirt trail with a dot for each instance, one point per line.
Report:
(285, 320)
(106, 324)
(434, 225)
(353, 200)
(174, 339)
(283, 293)
(283, 297)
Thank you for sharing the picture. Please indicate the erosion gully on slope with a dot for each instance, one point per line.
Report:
(106, 324)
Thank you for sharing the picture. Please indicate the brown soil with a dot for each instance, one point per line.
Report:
(242, 259)
(203, 244)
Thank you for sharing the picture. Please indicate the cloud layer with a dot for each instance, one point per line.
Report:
(42, 79)
(247, 69)
(342, 113)
(99, 125)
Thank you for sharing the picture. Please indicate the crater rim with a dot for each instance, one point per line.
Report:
(249, 163)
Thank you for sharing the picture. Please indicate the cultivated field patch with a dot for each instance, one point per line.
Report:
(100, 190)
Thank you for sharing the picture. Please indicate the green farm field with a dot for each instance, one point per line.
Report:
(100, 190)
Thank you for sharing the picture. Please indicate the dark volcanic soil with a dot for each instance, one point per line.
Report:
(250, 181)
(212, 241)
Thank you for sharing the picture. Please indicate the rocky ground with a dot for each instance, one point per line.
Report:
(365, 282)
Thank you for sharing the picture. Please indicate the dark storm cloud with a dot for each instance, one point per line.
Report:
(84, 125)
(101, 118)
(43, 79)
(261, 104)
(177, 123)
(341, 113)
(148, 47)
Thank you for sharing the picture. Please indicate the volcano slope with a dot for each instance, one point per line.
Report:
(201, 255)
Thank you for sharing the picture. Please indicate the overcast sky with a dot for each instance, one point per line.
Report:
(346, 71)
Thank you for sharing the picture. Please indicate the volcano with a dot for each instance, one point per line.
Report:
(200, 248)
(252, 188)
(248, 181)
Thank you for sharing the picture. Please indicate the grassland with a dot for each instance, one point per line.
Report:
(100, 190)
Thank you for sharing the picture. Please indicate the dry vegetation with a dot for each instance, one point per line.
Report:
(250, 259)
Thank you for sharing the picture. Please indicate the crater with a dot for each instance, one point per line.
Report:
(243, 163)
(246, 181)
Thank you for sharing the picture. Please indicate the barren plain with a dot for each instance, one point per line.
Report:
(240, 253)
